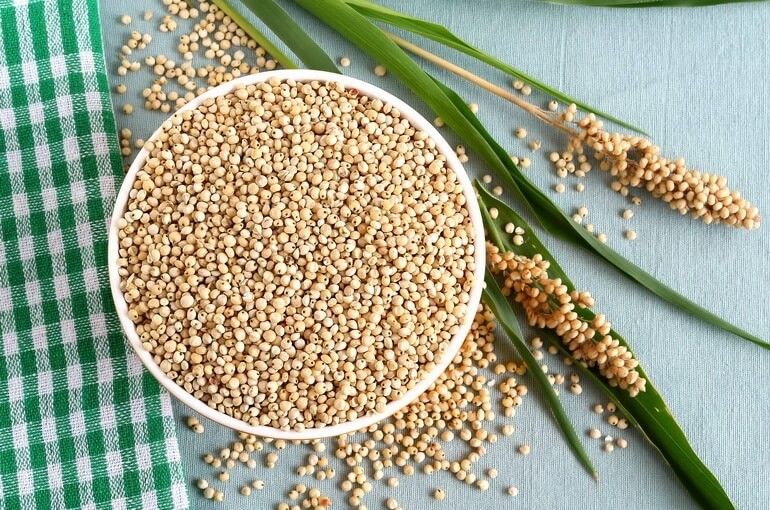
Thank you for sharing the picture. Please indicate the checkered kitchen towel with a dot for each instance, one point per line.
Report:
(81, 424)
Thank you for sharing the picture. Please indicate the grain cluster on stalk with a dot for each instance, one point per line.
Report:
(633, 160)
(549, 304)
(637, 163)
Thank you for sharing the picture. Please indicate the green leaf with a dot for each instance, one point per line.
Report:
(282, 25)
(444, 36)
(255, 34)
(647, 411)
(499, 306)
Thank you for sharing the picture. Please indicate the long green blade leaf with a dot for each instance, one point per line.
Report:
(499, 306)
(647, 411)
(255, 34)
(444, 36)
(282, 25)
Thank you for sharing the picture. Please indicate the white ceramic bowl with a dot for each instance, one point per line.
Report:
(419, 122)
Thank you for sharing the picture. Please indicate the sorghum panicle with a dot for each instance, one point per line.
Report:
(636, 162)
(548, 303)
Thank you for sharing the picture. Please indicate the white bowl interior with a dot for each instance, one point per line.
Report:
(419, 122)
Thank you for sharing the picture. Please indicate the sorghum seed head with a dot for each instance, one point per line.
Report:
(637, 163)
(548, 303)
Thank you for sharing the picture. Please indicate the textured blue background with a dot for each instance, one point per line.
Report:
(697, 80)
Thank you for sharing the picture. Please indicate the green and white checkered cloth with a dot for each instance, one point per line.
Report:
(82, 425)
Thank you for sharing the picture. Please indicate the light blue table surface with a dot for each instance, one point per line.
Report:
(697, 80)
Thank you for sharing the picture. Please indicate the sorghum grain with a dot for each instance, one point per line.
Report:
(270, 248)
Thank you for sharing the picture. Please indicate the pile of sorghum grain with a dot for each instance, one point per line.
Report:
(295, 255)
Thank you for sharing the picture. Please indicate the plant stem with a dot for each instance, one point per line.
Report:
(481, 82)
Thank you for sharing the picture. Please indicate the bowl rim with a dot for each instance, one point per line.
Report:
(419, 122)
